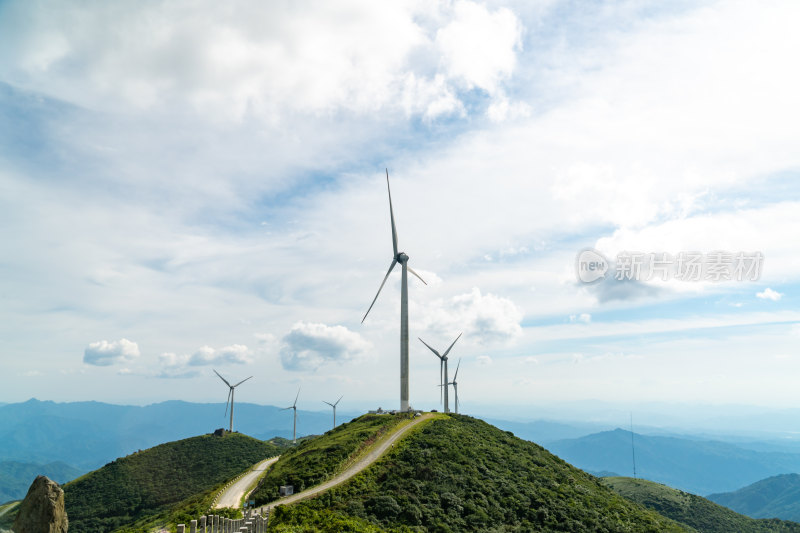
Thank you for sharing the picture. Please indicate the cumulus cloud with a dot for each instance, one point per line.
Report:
(769, 294)
(206, 355)
(104, 353)
(248, 58)
(308, 346)
(484, 319)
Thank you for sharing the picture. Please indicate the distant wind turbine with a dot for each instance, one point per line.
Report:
(402, 258)
(334, 409)
(443, 366)
(454, 383)
(229, 401)
(294, 407)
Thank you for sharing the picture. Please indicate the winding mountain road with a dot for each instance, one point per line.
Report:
(232, 496)
(352, 470)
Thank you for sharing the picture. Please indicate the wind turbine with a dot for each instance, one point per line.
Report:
(334, 409)
(230, 397)
(454, 383)
(402, 258)
(443, 365)
(294, 406)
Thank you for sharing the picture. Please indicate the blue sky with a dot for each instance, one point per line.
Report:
(188, 186)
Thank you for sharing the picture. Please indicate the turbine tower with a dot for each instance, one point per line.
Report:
(334, 409)
(402, 258)
(443, 366)
(294, 406)
(230, 397)
(454, 383)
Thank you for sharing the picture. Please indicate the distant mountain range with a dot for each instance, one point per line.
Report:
(16, 477)
(86, 435)
(696, 466)
(774, 497)
(694, 511)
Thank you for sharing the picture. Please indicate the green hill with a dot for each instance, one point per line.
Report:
(694, 511)
(774, 497)
(154, 483)
(458, 473)
(314, 460)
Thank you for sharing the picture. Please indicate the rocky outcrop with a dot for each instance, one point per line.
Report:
(42, 510)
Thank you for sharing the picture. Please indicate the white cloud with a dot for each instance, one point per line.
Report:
(584, 318)
(308, 346)
(170, 359)
(484, 360)
(479, 47)
(769, 294)
(484, 319)
(104, 353)
(265, 60)
(206, 355)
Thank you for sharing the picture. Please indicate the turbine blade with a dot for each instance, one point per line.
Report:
(223, 379)
(412, 271)
(227, 402)
(454, 343)
(456, 374)
(296, 397)
(429, 347)
(337, 401)
(287, 408)
(329, 403)
(242, 382)
(391, 214)
(394, 262)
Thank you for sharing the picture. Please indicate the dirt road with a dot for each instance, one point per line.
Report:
(354, 469)
(232, 496)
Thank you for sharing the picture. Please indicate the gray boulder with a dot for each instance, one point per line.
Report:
(42, 510)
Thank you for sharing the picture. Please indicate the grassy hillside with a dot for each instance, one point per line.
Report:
(461, 474)
(774, 497)
(313, 461)
(694, 511)
(153, 482)
(697, 466)
(16, 477)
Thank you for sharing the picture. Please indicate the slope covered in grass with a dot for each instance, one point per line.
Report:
(695, 511)
(774, 497)
(153, 481)
(315, 460)
(462, 474)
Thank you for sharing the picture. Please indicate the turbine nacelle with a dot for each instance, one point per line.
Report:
(402, 258)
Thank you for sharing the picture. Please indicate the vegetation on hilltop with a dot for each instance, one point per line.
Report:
(697, 512)
(154, 482)
(315, 460)
(461, 474)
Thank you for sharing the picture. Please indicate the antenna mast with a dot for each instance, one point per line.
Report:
(633, 450)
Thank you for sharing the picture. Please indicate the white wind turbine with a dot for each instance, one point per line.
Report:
(294, 407)
(229, 401)
(402, 258)
(454, 383)
(334, 409)
(443, 365)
